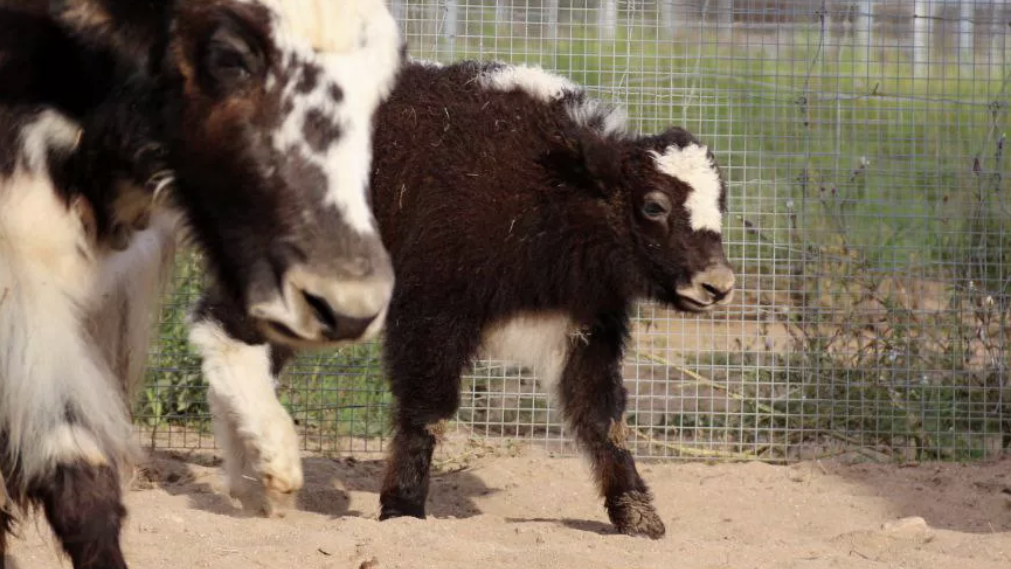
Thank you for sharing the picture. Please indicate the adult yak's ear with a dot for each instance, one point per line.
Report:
(584, 158)
(134, 30)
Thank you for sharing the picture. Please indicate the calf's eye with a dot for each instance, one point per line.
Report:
(653, 209)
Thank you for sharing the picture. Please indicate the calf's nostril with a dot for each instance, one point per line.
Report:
(716, 292)
(322, 310)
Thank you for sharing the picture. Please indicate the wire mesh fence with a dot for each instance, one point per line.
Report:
(870, 226)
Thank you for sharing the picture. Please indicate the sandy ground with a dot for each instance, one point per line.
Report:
(518, 507)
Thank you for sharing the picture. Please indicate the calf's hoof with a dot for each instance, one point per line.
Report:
(399, 508)
(633, 513)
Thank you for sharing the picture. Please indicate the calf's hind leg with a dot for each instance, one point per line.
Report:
(425, 381)
(593, 398)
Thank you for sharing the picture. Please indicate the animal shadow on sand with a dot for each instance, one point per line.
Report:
(963, 497)
(328, 485)
(591, 526)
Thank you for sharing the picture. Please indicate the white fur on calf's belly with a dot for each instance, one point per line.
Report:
(541, 342)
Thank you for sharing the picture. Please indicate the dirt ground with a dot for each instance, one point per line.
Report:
(519, 507)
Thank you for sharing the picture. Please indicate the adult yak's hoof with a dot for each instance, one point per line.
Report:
(264, 467)
(632, 513)
(269, 497)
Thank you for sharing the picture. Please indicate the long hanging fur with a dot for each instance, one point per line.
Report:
(55, 398)
(131, 285)
(75, 321)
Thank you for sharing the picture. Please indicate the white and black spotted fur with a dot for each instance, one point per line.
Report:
(125, 122)
(523, 221)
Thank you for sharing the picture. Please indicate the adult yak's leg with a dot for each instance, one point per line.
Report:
(263, 467)
(65, 427)
(81, 499)
(593, 398)
(425, 357)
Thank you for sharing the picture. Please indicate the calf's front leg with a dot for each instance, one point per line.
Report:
(593, 399)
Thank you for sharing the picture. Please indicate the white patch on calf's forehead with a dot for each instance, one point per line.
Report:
(357, 47)
(692, 166)
(536, 82)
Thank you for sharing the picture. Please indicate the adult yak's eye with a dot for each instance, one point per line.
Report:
(227, 63)
(230, 59)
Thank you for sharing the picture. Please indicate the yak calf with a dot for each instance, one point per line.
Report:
(523, 222)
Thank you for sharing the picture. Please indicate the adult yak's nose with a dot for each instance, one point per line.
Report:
(326, 303)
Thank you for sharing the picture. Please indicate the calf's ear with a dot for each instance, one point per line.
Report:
(134, 30)
(582, 157)
(674, 136)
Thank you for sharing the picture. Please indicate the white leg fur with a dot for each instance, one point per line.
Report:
(263, 467)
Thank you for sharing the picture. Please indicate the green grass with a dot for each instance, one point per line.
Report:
(841, 172)
(338, 393)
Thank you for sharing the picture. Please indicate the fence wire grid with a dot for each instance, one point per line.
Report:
(870, 226)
